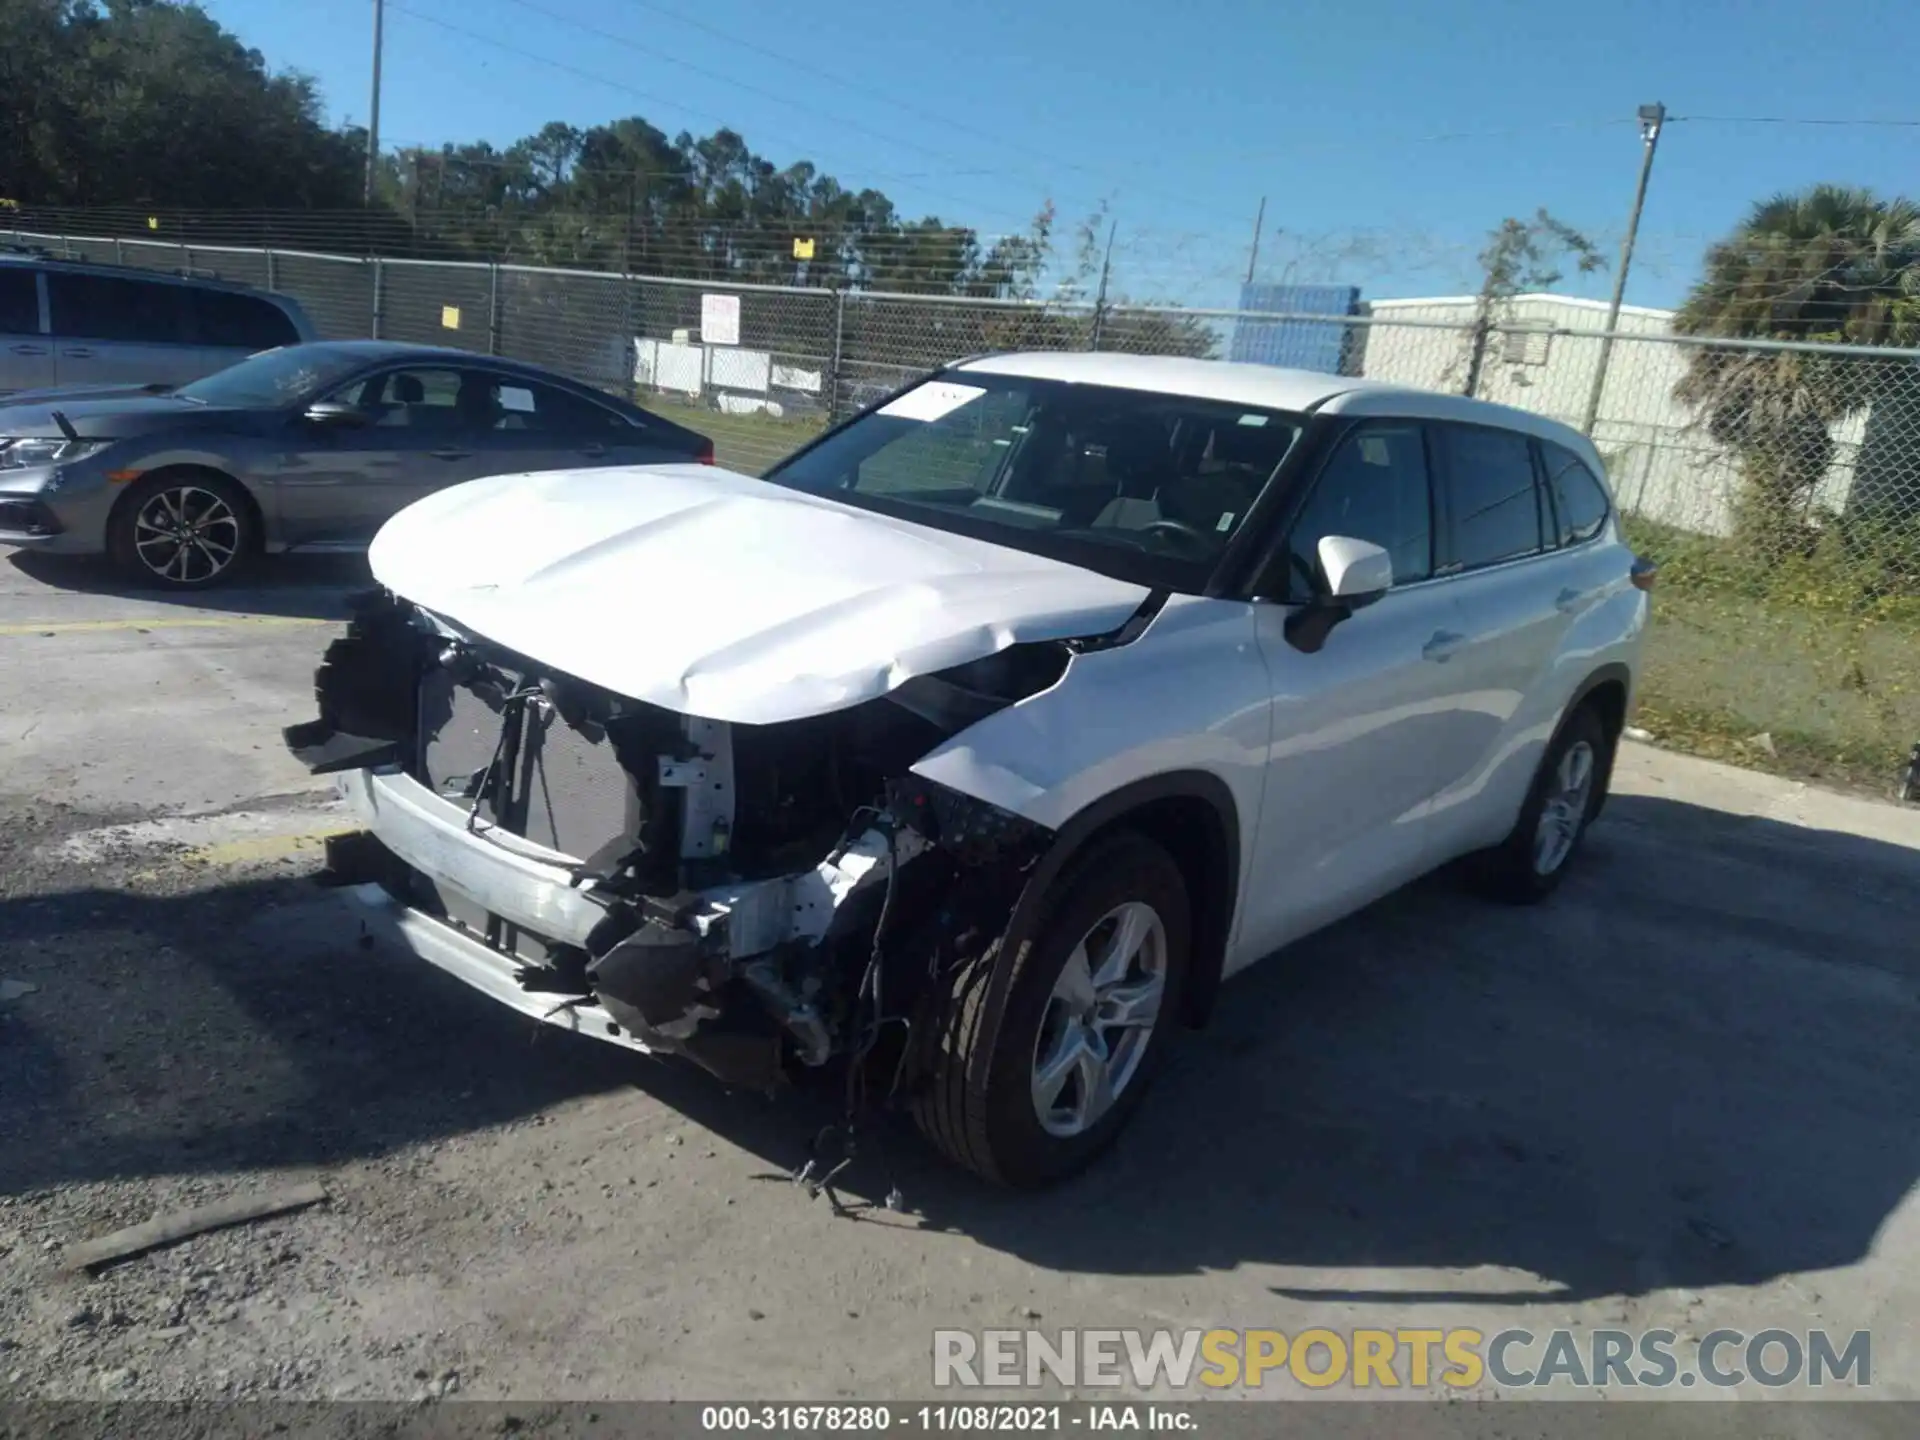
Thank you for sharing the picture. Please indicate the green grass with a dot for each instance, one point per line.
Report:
(1808, 652)
(747, 443)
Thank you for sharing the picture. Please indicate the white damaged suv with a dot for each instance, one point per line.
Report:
(971, 748)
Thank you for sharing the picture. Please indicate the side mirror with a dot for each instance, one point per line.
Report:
(1353, 573)
(335, 415)
(1357, 572)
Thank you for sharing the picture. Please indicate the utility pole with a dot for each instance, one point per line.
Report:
(373, 109)
(1652, 119)
(1100, 300)
(1259, 222)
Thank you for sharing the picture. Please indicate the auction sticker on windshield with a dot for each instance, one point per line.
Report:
(931, 401)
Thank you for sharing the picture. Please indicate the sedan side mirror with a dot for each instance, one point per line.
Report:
(335, 415)
(1353, 573)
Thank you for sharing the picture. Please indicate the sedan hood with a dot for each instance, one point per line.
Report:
(119, 417)
(81, 392)
(721, 596)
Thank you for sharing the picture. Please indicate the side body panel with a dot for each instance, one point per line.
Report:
(1539, 631)
(1365, 732)
(1191, 694)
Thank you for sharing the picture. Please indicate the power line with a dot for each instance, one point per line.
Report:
(716, 76)
(1794, 120)
(721, 121)
(949, 122)
(862, 87)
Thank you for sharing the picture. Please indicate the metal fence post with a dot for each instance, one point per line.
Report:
(119, 251)
(833, 365)
(273, 271)
(493, 309)
(379, 287)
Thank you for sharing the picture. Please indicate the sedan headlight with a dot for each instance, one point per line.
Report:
(52, 450)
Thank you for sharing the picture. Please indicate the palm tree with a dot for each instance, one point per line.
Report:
(1833, 264)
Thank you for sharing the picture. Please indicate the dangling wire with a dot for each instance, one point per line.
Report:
(518, 698)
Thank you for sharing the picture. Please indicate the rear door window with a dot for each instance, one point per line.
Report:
(19, 301)
(112, 308)
(1493, 508)
(239, 322)
(1579, 499)
(527, 405)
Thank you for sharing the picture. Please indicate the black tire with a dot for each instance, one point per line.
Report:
(997, 1132)
(1513, 871)
(215, 514)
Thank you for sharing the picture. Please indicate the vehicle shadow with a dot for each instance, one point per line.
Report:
(296, 586)
(254, 1025)
(1692, 1067)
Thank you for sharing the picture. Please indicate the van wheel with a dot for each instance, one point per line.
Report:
(1566, 793)
(184, 531)
(1085, 1027)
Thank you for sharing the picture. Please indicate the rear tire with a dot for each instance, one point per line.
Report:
(1084, 1030)
(188, 530)
(1566, 793)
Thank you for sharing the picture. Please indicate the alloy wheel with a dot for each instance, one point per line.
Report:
(1099, 1019)
(186, 535)
(1569, 790)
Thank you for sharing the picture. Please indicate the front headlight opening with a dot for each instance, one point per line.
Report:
(18, 454)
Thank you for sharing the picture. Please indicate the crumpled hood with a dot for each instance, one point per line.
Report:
(721, 596)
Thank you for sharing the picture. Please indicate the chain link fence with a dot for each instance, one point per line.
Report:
(1778, 484)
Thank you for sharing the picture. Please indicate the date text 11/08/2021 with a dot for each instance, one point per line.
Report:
(875, 1419)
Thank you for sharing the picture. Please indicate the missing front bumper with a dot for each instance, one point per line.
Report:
(621, 974)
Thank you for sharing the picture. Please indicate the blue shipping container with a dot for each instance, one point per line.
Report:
(1326, 346)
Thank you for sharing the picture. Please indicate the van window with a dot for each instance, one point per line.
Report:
(19, 301)
(239, 322)
(1493, 501)
(104, 307)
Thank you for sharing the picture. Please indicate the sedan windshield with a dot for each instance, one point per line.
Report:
(273, 379)
(1143, 486)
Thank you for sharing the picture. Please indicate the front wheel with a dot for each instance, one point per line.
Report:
(1084, 1028)
(182, 532)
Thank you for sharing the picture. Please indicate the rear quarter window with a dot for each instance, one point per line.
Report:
(239, 322)
(1579, 499)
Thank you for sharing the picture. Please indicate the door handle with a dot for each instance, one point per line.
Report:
(1568, 599)
(1441, 645)
(81, 354)
(451, 454)
(594, 451)
(31, 350)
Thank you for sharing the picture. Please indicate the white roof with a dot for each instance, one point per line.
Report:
(1237, 384)
(1271, 387)
(1569, 302)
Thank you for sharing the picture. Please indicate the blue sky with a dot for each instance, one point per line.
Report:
(1387, 135)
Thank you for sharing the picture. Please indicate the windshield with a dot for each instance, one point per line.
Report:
(273, 379)
(1143, 486)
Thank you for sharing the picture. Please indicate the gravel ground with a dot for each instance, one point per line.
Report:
(1683, 1093)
